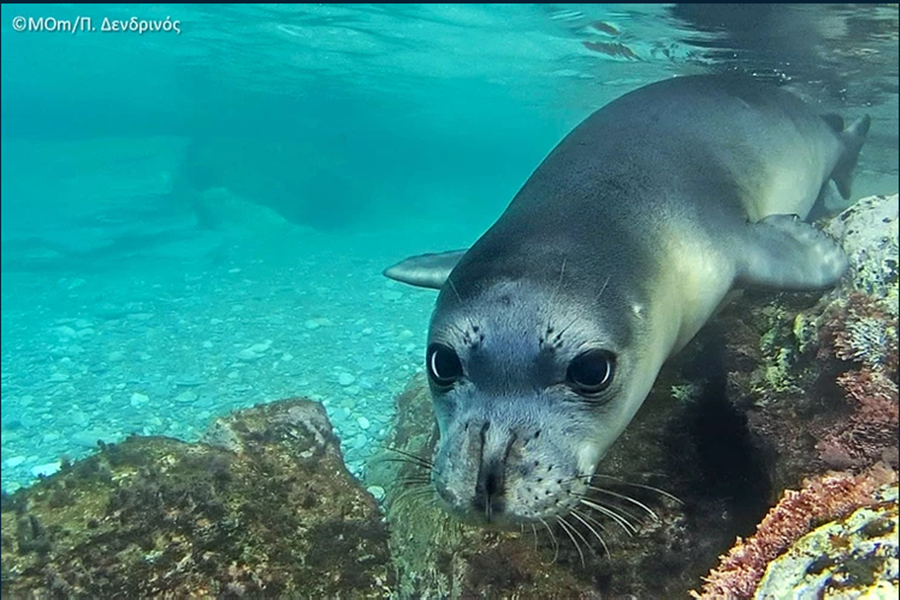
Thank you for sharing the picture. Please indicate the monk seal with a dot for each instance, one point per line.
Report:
(549, 332)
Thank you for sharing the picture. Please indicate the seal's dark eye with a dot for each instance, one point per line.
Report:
(591, 372)
(444, 367)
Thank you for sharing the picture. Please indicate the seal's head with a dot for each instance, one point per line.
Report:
(529, 391)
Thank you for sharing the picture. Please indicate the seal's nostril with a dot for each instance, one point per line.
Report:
(489, 489)
(490, 481)
(492, 485)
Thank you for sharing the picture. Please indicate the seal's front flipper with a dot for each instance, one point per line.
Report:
(427, 270)
(784, 252)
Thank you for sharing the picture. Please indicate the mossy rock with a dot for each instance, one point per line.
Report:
(156, 517)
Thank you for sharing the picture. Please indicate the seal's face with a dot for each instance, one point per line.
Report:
(526, 404)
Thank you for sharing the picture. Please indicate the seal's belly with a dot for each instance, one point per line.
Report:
(785, 189)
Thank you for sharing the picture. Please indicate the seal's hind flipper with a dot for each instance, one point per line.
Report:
(786, 253)
(427, 270)
(853, 138)
(829, 204)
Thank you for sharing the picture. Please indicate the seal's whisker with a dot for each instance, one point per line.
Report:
(413, 492)
(621, 511)
(625, 482)
(581, 537)
(534, 531)
(642, 486)
(419, 497)
(459, 299)
(459, 330)
(602, 289)
(425, 498)
(593, 520)
(552, 538)
(410, 455)
(641, 473)
(566, 527)
(560, 333)
(407, 461)
(562, 271)
(624, 523)
(409, 458)
(578, 316)
(413, 481)
(423, 477)
(590, 528)
(455, 291)
(646, 508)
(404, 459)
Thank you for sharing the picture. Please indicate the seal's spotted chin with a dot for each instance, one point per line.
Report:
(499, 512)
(522, 490)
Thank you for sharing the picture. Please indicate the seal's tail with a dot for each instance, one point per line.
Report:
(853, 138)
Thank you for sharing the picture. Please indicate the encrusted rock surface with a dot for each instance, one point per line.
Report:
(816, 377)
(269, 512)
(853, 557)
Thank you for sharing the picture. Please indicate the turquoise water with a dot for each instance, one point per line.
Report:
(195, 221)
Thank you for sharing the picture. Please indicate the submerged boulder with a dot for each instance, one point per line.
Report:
(265, 509)
(854, 554)
(854, 557)
(816, 377)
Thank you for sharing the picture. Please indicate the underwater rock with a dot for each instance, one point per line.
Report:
(279, 515)
(262, 182)
(220, 210)
(107, 200)
(770, 560)
(854, 557)
(868, 231)
(816, 375)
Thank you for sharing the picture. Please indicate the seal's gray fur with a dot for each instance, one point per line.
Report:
(626, 238)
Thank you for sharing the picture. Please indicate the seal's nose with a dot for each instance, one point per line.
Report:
(489, 490)
(490, 484)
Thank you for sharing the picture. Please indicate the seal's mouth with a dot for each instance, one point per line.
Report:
(499, 512)
(522, 483)
(581, 507)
